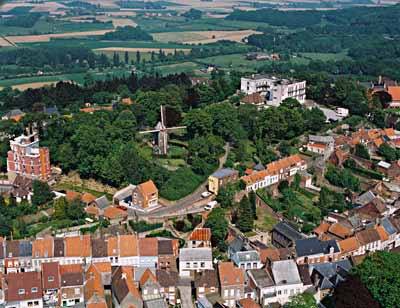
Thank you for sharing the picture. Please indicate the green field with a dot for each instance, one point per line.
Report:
(77, 77)
(306, 57)
(178, 24)
(184, 67)
(95, 44)
(235, 61)
(44, 26)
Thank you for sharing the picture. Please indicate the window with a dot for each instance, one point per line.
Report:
(232, 292)
(279, 292)
(145, 291)
(226, 293)
(34, 290)
(195, 264)
(187, 264)
(50, 278)
(202, 264)
(77, 291)
(21, 291)
(36, 303)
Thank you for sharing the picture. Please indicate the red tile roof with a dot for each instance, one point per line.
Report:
(29, 282)
(229, 275)
(51, 278)
(113, 212)
(43, 248)
(148, 188)
(148, 246)
(201, 234)
(394, 91)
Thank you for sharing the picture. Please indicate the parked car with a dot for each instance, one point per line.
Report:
(210, 205)
(206, 194)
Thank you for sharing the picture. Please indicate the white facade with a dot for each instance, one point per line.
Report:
(265, 182)
(194, 260)
(275, 90)
(32, 303)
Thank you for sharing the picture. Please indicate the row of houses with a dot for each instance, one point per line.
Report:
(274, 172)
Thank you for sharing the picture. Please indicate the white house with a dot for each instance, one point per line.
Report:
(194, 260)
(247, 259)
(274, 89)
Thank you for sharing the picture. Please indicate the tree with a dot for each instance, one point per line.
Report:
(138, 57)
(193, 14)
(126, 57)
(361, 151)
(303, 300)
(198, 122)
(226, 195)
(245, 215)
(41, 193)
(253, 202)
(218, 224)
(60, 208)
(342, 178)
(379, 273)
(389, 153)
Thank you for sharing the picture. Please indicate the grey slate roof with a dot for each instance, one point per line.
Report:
(388, 226)
(321, 139)
(195, 254)
(259, 167)
(312, 246)
(52, 110)
(261, 277)
(285, 272)
(25, 249)
(102, 202)
(236, 245)
(248, 256)
(365, 198)
(222, 173)
(288, 231)
(330, 273)
(13, 113)
(155, 303)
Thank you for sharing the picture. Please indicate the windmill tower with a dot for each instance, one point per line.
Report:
(161, 130)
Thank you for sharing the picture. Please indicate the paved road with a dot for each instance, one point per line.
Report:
(186, 296)
(192, 203)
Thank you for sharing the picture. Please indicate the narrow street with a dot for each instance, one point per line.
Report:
(191, 203)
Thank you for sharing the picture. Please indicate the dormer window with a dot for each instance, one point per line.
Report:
(50, 278)
(34, 290)
(21, 291)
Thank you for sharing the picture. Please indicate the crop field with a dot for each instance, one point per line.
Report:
(197, 37)
(46, 37)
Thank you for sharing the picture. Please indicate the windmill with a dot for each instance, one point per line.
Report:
(161, 130)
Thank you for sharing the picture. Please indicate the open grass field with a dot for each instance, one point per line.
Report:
(180, 24)
(236, 61)
(184, 67)
(306, 57)
(203, 37)
(95, 44)
(36, 81)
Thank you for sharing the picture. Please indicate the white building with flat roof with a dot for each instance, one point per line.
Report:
(274, 89)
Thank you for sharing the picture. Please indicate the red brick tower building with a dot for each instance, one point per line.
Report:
(27, 159)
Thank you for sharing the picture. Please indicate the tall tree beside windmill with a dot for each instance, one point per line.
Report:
(161, 132)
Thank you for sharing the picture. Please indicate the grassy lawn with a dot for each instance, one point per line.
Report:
(265, 222)
(184, 67)
(236, 61)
